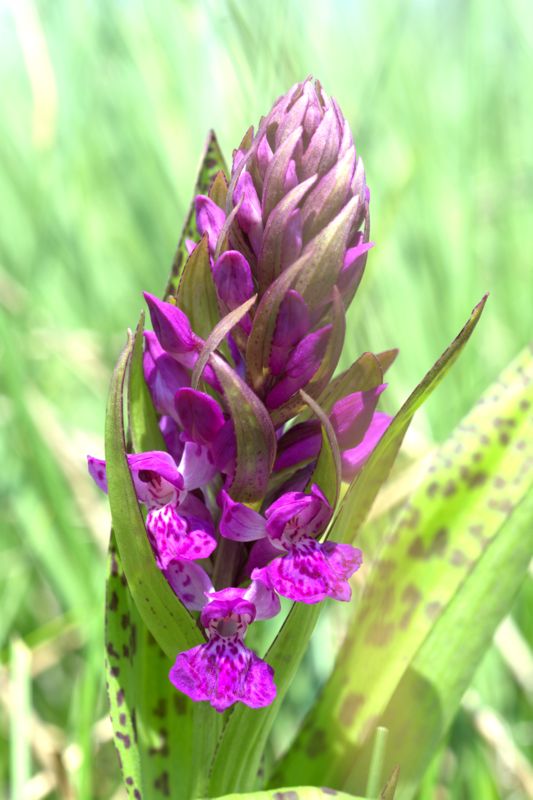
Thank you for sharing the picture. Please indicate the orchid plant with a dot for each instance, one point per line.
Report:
(240, 468)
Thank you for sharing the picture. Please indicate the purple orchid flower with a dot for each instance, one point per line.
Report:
(224, 671)
(179, 526)
(297, 565)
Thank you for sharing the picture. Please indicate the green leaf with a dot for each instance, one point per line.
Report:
(196, 294)
(363, 490)
(445, 576)
(166, 618)
(211, 163)
(217, 335)
(327, 471)
(255, 436)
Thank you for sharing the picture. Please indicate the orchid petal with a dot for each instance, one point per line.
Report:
(190, 582)
(238, 522)
(199, 415)
(210, 219)
(171, 326)
(352, 460)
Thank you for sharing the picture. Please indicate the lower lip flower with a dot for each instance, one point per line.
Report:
(223, 670)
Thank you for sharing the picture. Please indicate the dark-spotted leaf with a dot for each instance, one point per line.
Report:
(461, 542)
(152, 723)
(211, 163)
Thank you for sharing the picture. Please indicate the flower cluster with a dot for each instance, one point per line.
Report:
(235, 517)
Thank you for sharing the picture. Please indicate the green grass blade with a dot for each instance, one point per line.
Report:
(20, 697)
(456, 519)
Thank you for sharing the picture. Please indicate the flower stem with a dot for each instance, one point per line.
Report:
(226, 563)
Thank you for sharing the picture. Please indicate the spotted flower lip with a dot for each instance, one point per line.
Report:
(224, 671)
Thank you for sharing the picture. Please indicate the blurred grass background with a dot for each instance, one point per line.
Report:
(105, 109)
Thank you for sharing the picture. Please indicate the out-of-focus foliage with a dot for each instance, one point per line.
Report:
(105, 109)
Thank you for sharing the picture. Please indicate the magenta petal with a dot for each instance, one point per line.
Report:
(264, 598)
(352, 460)
(197, 466)
(163, 375)
(291, 177)
(172, 436)
(233, 279)
(311, 572)
(223, 671)
(156, 477)
(210, 219)
(224, 448)
(344, 560)
(249, 214)
(190, 246)
(238, 522)
(302, 364)
(301, 443)
(97, 471)
(199, 415)
(293, 319)
(190, 582)
(224, 604)
(352, 415)
(264, 155)
(171, 326)
(262, 552)
(172, 539)
(296, 513)
(292, 325)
